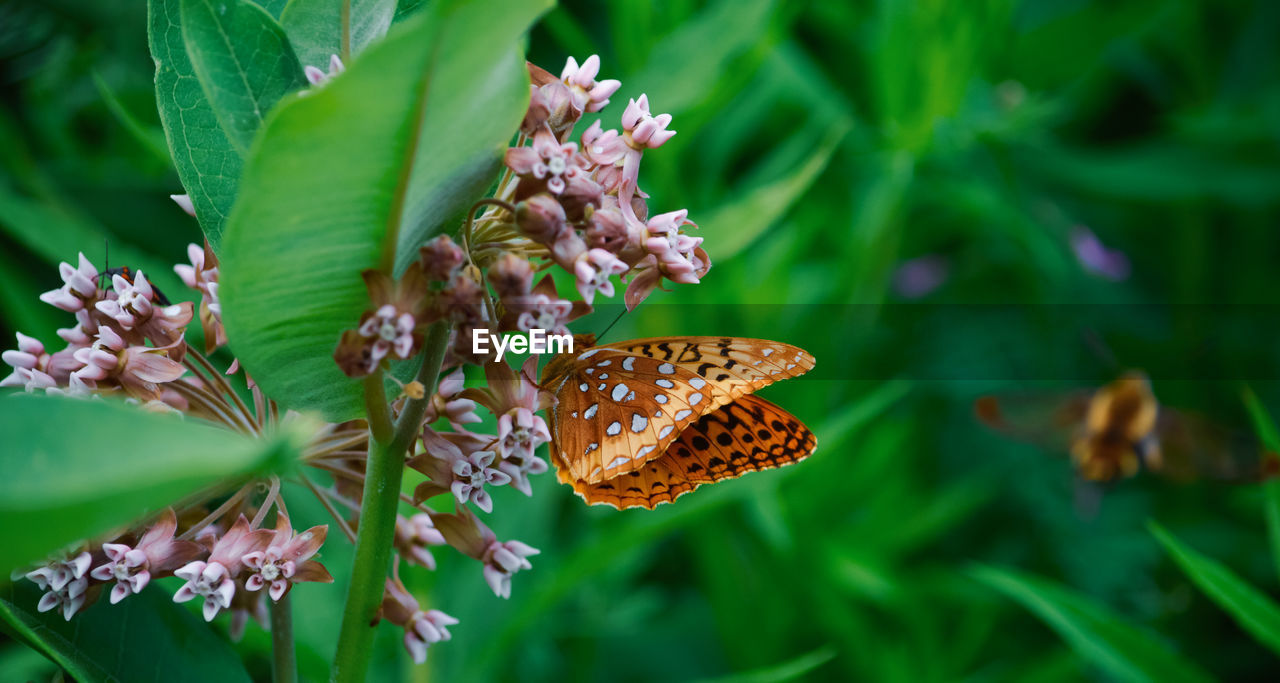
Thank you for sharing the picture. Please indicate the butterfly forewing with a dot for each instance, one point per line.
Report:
(747, 435)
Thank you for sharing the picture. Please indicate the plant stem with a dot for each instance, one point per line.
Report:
(284, 662)
(376, 530)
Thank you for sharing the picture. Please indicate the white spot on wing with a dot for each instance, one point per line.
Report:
(631, 395)
(603, 363)
(665, 431)
(697, 382)
(604, 375)
(618, 461)
(591, 447)
(613, 429)
(665, 384)
(694, 399)
(642, 451)
(638, 422)
(587, 354)
(619, 390)
(582, 387)
(591, 412)
(767, 353)
(628, 363)
(602, 386)
(790, 365)
(683, 414)
(667, 369)
(573, 414)
(660, 398)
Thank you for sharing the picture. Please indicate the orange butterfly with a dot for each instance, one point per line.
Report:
(642, 422)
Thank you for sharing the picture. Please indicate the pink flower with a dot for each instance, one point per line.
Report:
(542, 312)
(548, 160)
(501, 561)
(588, 94)
(30, 363)
(919, 276)
(133, 308)
(287, 560)
(471, 473)
(645, 130)
(414, 535)
(215, 580)
(155, 553)
(392, 328)
(520, 432)
(65, 582)
(1096, 258)
(138, 369)
(202, 275)
(421, 628)
(79, 289)
(317, 77)
(445, 402)
(593, 270)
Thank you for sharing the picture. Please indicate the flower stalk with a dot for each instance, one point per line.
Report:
(376, 531)
(284, 661)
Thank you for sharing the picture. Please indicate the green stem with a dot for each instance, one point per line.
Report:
(284, 662)
(376, 531)
(345, 47)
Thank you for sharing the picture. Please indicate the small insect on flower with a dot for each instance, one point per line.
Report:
(125, 272)
(642, 422)
(1119, 429)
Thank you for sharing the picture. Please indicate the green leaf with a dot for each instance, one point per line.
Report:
(329, 179)
(208, 166)
(1270, 437)
(243, 60)
(1100, 636)
(736, 225)
(77, 468)
(144, 638)
(1251, 608)
(315, 27)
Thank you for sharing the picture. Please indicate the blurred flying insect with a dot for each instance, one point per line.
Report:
(1114, 432)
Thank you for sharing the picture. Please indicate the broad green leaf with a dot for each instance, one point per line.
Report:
(1270, 437)
(144, 638)
(315, 27)
(1100, 636)
(737, 224)
(274, 7)
(208, 166)
(1251, 608)
(76, 468)
(243, 61)
(328, 180)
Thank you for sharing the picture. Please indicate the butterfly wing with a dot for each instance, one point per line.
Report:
(622, 405)
(1190, 446)
(1050, 420)
(746, 435)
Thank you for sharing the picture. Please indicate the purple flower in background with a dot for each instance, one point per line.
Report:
(919, 276)
(1096, 258)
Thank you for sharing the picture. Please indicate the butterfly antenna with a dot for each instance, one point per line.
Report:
(106, 261)
(600, 337)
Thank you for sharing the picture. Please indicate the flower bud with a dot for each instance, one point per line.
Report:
(511, 276)
(440, 257)
(541, 218)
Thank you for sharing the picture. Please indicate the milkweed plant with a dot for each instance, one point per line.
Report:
(372, 197)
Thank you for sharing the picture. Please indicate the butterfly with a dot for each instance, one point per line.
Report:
(642, 422)
(1120, 429)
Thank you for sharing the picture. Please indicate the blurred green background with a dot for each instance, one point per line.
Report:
(821, 146)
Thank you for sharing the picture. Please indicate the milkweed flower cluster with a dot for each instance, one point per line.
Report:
(560, 203)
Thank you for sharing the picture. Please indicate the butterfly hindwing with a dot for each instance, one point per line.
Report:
(746, 435)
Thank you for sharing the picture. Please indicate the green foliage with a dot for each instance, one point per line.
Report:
(316, 30)
(821, 145)
(243, 60)
(305, 225)
(1096, 633)
(1251, 608)
(206, 161)
(78, 468)
(145, 638)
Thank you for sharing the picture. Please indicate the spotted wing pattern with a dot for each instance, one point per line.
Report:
(747, 435)
(622, 405)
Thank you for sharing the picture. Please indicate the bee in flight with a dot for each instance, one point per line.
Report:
(1120, 429)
